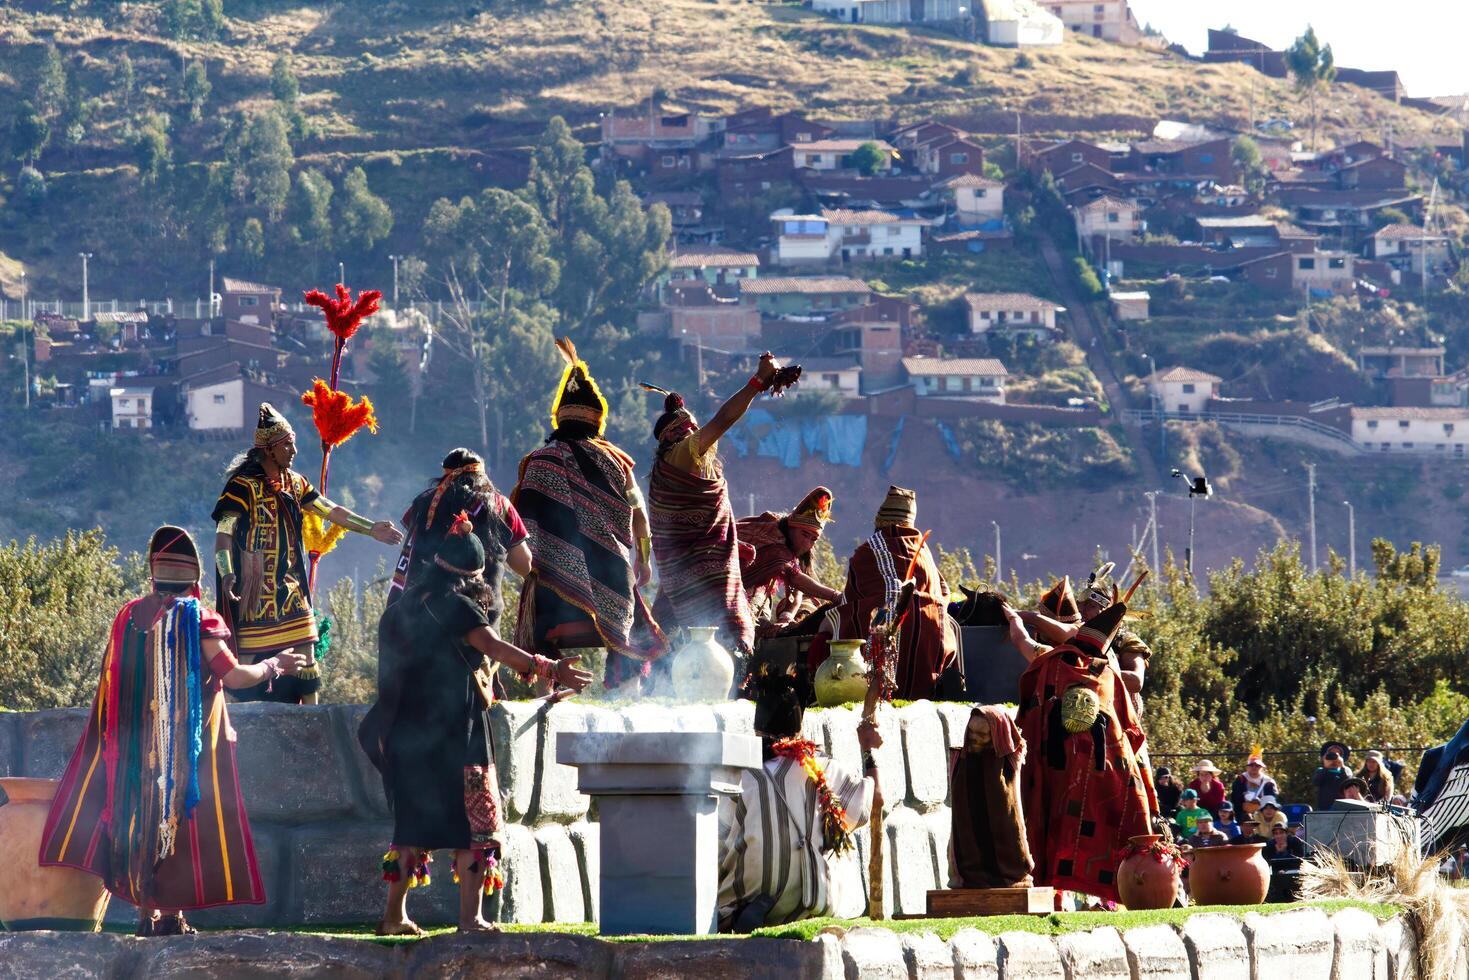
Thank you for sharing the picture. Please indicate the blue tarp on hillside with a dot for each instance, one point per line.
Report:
(839, 438)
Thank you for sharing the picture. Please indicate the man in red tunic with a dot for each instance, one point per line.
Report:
(926, 644)
(150, 802)
(775, 552)
(1083, 789)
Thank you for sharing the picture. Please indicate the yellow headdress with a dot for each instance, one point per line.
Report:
(578, 399)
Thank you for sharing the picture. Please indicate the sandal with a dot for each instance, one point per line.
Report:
(484, 927)
(407, 928)
(147, 925)
(173, 925)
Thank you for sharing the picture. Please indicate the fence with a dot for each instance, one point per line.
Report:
(1284, 422)
(197, 308)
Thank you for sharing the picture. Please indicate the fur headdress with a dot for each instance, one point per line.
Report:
(578, 399)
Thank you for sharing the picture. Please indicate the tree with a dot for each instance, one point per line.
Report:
(867, 159)
(29, 133)
(76, 113)
(151, 149)
(50, 92)
(125, 82)
(366, 218)
(195, 88)
(309, 212)
(1313, 67)
(283, 86)
(203, 19)
(1251, 165)
(250, 241)
(1086, 277)
(263, 172)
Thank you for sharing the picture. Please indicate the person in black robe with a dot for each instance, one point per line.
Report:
(988, 846)
(436, 657)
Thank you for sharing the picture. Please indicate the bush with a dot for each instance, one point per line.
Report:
(31, 187)
(1086, 277)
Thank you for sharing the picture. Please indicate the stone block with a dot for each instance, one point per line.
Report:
(516, 728)
(863, 837)
(1096, 955)
(269, 956)
(925, 756)
(561, 884)
(558, 798)
(523, 900)
(274, 875)
(586, 837)
(976, 957)
(63, 955)
(9, 744)
(47, 739)
(1401, 945)
(940, 825)
(719, 959)
(649, 717)
(1217, 948)
(509, 956)
(840, 725)
(293, 764)
(739, 716)
(912, 861)
(1299, 944)
(1360, 954)
(1156, 953)
(694, 718)
(928, 957)
(1027, 956)
(369, 780)
(955, 718)
(335, 876)
(873, 954)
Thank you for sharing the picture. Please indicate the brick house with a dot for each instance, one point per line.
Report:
(1409, 248)
(248, 302)
(1209, 159)
(1060, 158)
(1110, 20)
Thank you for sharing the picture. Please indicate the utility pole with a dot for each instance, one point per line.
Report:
(342, 273)
(999, 569)
(86, 296)
(1152, 496)
(395, 259)
(1311, 505)
(1351, 538)
(211, 289)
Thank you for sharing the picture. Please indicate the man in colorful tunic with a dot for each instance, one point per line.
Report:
(260, 521)
(1084, 791)
(150, 802)
(927, 644)
(794, 817)
(589, 536)
(692, 524)
(775, 552)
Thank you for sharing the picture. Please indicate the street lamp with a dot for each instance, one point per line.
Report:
(999, 570)
(395, 259)
(1351, 538)
(86, 296)
(342, 273)
(1198, 486)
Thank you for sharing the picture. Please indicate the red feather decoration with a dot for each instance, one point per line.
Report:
(343, 316)
(336, 415)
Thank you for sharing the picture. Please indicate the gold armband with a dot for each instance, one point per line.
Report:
(357, 523)
(645, 548)
(321, 506)
(224, 561)
(227, 524)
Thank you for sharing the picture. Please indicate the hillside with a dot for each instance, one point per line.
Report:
(438, 99)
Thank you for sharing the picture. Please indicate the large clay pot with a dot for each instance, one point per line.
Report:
(842, 677)
(33, 897)
(702, 670)
(1229, 874)
(1143, 881)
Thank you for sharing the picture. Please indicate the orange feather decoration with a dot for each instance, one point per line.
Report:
(343, 315)
(336, 415)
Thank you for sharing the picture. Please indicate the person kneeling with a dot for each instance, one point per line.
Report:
(793, 818)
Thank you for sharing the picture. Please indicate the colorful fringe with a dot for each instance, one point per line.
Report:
(494, 879)
(418, 877)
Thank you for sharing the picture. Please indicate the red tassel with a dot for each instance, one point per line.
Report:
(343, 316)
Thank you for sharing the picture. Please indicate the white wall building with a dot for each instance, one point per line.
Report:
(842, 235)
(842, 375)
(1181, 389)
(981, 378)
(1433, 431)
(1110, 20)
(1108, 217)
(977, 199)
(835, 154)
(1019, 23)
(893, 11)
(1011, 313)
(219, 405)
(132, 407)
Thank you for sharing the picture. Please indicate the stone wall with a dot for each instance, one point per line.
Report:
(1299, 945)
(321, 823)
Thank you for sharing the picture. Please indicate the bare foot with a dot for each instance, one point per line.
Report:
(405, 927)
(479, 925)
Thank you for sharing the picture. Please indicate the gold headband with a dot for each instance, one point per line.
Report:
(272, 434)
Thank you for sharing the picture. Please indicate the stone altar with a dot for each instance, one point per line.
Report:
(656, 793)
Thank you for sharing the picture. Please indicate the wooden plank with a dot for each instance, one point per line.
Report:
(948, 903)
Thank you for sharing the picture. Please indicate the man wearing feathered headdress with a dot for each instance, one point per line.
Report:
(260, 553)
(775, 553)
(692, 523)
(589, 537)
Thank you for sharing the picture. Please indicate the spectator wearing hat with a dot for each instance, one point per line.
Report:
(1377, 776)
(1168, 792)
(1187, 819)
(1269, 810)
(1251, 833)
(1354, 789)
(1332, 775)
(1226, 824)
(1206, 835)
(1285, 852)
(1252, 785)
(1206, 783)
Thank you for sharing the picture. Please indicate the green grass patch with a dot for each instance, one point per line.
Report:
(1060, 922)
